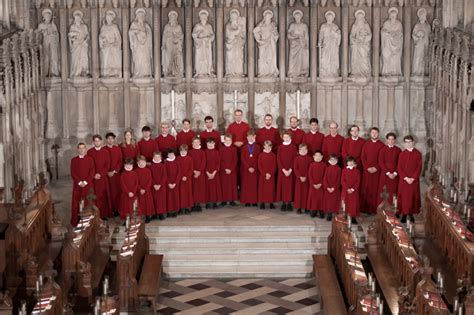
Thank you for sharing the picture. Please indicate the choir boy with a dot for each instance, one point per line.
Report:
(285, 181)
(145, 181)
(266, 182)
(165, 140)
(297, 134)
(301, 167)
(199, 176)
(249, 171)
(313, 138)
(238, 129)
(209, 132)
(350, 184)
(352, 146)
(213, 183)
(268, 132)
(116, 162)
(186, 135)
(185, 163)
(101, 158)
(332, 188)
(388, 161)
(332, 143)
(316, 173)
(129, 189)
(173, 176)
(146, 146)
(82, 172)
(129, 146)
(158, 173)
(228, 171)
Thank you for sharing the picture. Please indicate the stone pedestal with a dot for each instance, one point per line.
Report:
(53, 88)
(82, 86)
(359, 116)
(390, 122)
(143, 84)
(113, 86)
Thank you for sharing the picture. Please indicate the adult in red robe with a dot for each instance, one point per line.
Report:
(213, 182)
(185, 163)
(160, 181)
(129, 189)
(116, 162)
(313, 138)
(199, 176)
(332, 144)
(286, 177)
(238, 129)
(268, 132)
(332, 188)
(209, 132)
(228, 171)
(147, 146)
(128, 146)
(350, 185)
(296, 133)
(301, 167)
(388, 161)
(186, 135)
(249, 171)
(145, 195)
(352, 146)
(267, 167)
(316, 172)
(173, 177)
(82, 172)
(165, 140)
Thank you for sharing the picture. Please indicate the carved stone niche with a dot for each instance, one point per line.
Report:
(204, 60)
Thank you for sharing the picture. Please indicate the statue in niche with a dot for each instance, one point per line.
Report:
(79, 46)
(329, 42)
(141, 45)
(172, 47)
(234, 44)
(50, 33)
(266, 36)
(360, 39)
(299, 47)
(110, 43)
(421, 33)
(203, 36)
(392, 44)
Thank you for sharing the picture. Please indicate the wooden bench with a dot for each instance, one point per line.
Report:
(150, 277)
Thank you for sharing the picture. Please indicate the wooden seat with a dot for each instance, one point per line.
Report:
(150, 278)
(98, 260)
(332, 300)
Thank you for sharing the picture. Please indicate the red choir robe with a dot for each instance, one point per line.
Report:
(145, 182)
(388, 161)
(238, 131)
(116, 161)
(158, 174)
(297, 136)
(351, 147)
(267, 164)
(199, 183)
(350, 178)
(409, 165)
(129, 151)
(173, 176)
(213, 186)
(285, 184)
(272, 134)
(166, 142)
(228, 160)
(185, 137)
(205, 134)
(147, 148)
(249, 181)
(333, 145)
(101, 186)
(128, 184)
(300, 168)
(186, 186)
(314, 141)
(82, 170)
(316, 176)
(332, 179)
(370, 181)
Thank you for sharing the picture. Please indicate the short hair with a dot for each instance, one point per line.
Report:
(157, 153)
(302, 145)
(110, 134)
(186, 120)
(208, 118)
(197, 138)
(375, 128)
(286, 132)
(146, 128)
(268, 143)
(141, 158)
(294, 117)
(333, 122)
(170, 150)
(313, 120)
(183, 147)
(80, 143)
(228, 135)
(238, 111)
(318, 151)
(96, 137)
(164, 123)
(128, 161)
(268, 115)
(251, 132)
(391, 134)
(409, 138)
(211, 140)
(350, 159)
(333, 156)
(354, 126)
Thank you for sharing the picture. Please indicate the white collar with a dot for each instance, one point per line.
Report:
(156, 162)
(181, 156)
(350, 167)
(268, 128)
(146, 139)
(186, 131)
(197, 148)
(228, 146)
(333, 164)
(334, 135)
(128, 170)
(294, 129)
(287, 143)
(164, 136)
(170, 159)
(110, 146)
(374, 140)
(238, 122)
(209, 130)
(250, 142)
(267, 151)
(81, 156)
(390, 146)
(314, 132)
(98, 149)
(355, 139)
(410, 150)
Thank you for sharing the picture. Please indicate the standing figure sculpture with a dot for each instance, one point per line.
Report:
(50, 33)
(421, 34)
(299, 47)
(392, 44)
(234, 44)
(360, 38)
(329, 42)
(266, 36)
(141, 44)
(79, 46)
(110, 44)
(203, 36)
(172, 47)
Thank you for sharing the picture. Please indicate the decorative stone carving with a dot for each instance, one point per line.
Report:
(266, 36)
(172, 47)
(329, 42)
(234, 44)
(392, 44)
(203, 36)
(110, 43)
(266, 103)
(360, 39)
(146, 3)
(115, 4)
(50, 34)
(141, 45)
(79, 46)
(298, 39)
(421, 39)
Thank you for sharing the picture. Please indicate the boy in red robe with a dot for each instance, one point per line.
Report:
(266, 182)
(388, 161)
(145, 181)
(165, 140)
(128, 146)
(332, 143)
(409, 171)
(350, 183)
(209, 132)
(352, 146)
(199, 176)
(313, 138)
(332, 188)
(213, 183)
(297, 134)
(238, 129)
(147, 146)
(82, 172)
(301, 167)
(316, 173)
(173, 176)
(268, 132)
(186, 185)
(228, 171)
(129, 189)
(286, 178)
(158, 173)
(116, 162)
(249, 171)
(371, 173)
(186, 135)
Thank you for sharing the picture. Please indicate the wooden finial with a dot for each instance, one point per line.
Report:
(384, 193)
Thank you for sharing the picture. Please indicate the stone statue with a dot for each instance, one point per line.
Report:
(392, 44)
(79, 46)
(141, 43)
(360, 38)
(234, 44)
(299, 47)
(421, 33)
(50, 34)
(110, 43)
(203, 36)
(266, 36)
(329, 42)
(172, 47)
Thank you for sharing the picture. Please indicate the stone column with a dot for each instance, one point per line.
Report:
(220, 60)
(157, 62)
(126, 65)
(345, 63)
(389, 124)
(313, 30)
(406, 68)
(143, 84)
(188, 30)
(328, 113)
(95, 67)
(376, 63)
(251, 61)
(282, 55)
(82, 86)
(359, 116)
(53, 87)
(112, 85)
(63, 19)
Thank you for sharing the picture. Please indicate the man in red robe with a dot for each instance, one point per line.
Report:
(116, 162)
(409, 171)
(101, 159)
(268, 132)
(186, 135)
(297, 134)
(238, 129)
(350, 184)
(316, 172)
(145, 182)
(301, 167)
(332, 143)
(129, 189)
(249, 171)
(332, 188)
(147, 146)
(173, 176)
(199, 176)
(165, 140)
(209, 132)
(213, 183)
(185, 163)
(82, 172)
(286, 178)
(228, 171)
(266, 182)
(371, 172)
(388, 161)
(352, 146)
(158, 174)
(313, 138)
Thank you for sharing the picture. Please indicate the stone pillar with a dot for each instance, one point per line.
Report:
(345, 63)
(113, 85)
(188, 30)
(63, 20)
(406, 68)
(82, 86)
(126, 64)
(328, 113)
(157, 62)
(53, 87)
(389, 124)
(95, 67)
(251, 61)
(220, 61)
(143, 85)
(359, 116)
(376, 64)
(282, 56)
(313, 33)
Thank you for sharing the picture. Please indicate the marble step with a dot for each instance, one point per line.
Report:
(151, 228)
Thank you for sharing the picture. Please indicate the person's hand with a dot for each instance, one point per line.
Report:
(317, 186)
(238, 144)
(97, 176)
(130, 194)
(184, 178)
(142, 191)
(268, 176)
(156, 187)
(197, 174)
(392, 176)
(251, 170)
(111, 174)
(303, 179)
(228, 171)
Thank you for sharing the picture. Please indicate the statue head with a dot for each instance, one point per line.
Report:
(267, 16)
(298, 15)
(140, 14)
(359, 15)
(173, 17)
(234, 15)
(203, 16)
(47, 15)
(392, 13)
(110, 17)
(330, 16)
(78, 15)
(421, 15)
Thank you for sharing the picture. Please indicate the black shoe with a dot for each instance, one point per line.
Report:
(254, 204)
(398, 216)
(299, 211)
(193, 209)
(404, 219)
(262, 206)
(321, 215)
(198, 207)
(208, 205)
(289, 207)
(161, 217)
(214, 206)
(353, 221)
(223, 204)
(329, 217)
(154, 217)
(174, 214)
(272, 206)
(283, 207)
(306, 211)
(313, 214)
(148, 219)
(412, 218)
(168, 215)
(180, 211)
(116, 214)
(186, 211)
(232, 204)
(247, 205)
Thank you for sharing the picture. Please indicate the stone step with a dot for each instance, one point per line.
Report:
(233, 228)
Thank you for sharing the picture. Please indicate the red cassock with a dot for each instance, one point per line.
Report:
(351, 147)
(388, 161)
(145, 182)
(332, 179)
(409, 165)
(204, 135)
(114, 182)
(333, 145)
(101, 159)
(166, 142)
(129, 151)
(186, 186)
(199, 183)
(249, 181)
(350, 178)
(285, 159)
(173, 176)
(370, 181)
(185, 137)
(300, 168)
(238, 131)
(267, 164)
(314, 141)
(272, 134)
(228, 157)
(82, 169)
(147, 148)
(213, 186)
(297, 136)
(158, 174)
(316, 176)
(128, 184)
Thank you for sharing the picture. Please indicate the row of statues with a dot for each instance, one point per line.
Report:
(266, 36)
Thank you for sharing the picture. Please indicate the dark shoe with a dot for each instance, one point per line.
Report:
(313, 214)
(254, 204)
(174, 214)
(272, 206)
(289, 207)
(154, 217)
(283, 207)
(298, 211)
(412, 218)
(168, 215)
(398, 216)
(321, 215)
(329, 217)
(214, 206)
(223, 204)
(353, 221)
(198, 207)
(116, 214)
(232, 204)
(404, 219)
(180, 211)
(161, 217)
(247, 205)
(186, 211)
(208, 205)
(193, 209)
(262, 206)
(147, 220)
(306, 211)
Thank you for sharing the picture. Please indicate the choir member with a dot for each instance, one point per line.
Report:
(116, 162)
(238, 129)
(316, 173)
(301, 167)
(158, 173)
(209, 132)
(199, 176)
(285, 181)
(165, 140)
(82, 172)
(350, 183)
(185, 163)
(297, 134)
(129, 146)
(268, 132)
(249, 171)
(332, 143)
(409, 171)
(332, 188)
(266, 182)
(145, 181)
(186, 135)
(313, 138)
(129, 189)
(388, 160)
(228, 171)
(146, 146)
(371, 172)
(101, 159)
(213, 183)
(173, 177)
(352, 146)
